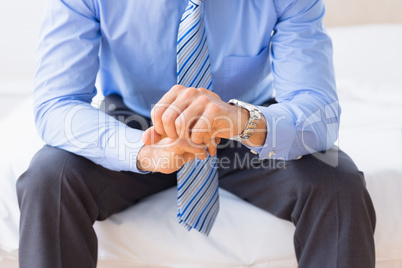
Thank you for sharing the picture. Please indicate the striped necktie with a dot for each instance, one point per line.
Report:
(197, 181)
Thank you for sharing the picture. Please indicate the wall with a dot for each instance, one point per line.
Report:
(348, 12)
(19, 26)
(20, 19)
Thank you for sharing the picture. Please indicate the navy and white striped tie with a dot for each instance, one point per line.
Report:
(197, 181)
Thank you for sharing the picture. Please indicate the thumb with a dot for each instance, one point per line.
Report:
(150, 136)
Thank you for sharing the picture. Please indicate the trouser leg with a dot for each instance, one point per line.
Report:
(329, 205)
(60, 197)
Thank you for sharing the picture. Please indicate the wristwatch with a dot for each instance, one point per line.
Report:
(255, 116)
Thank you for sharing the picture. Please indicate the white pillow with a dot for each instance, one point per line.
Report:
(18, 143)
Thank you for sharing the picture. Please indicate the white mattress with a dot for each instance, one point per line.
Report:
(368, 65)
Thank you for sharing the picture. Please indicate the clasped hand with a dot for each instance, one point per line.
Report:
(187, 123)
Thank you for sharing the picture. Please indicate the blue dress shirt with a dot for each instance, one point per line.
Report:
(258, 49)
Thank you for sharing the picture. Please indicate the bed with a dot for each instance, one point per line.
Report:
(368, 64)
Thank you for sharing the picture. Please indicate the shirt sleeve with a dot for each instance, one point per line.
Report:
(66, 69)
(306, 118)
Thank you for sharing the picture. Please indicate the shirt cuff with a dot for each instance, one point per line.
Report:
(254, 150)
(280, 133)
(122, 149)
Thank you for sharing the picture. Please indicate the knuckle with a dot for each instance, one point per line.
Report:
(197, 138)
(153, 111)
(216, 95)
(203, 125)
(209, 93)
(201, 100)
(207, 138)
(157, 112)
(204, 98)
(190, 92)
(179, 122)
(177, 87)
(159, 129)
(203, 90)
(199, 150)
(167, 116)
(213, 108)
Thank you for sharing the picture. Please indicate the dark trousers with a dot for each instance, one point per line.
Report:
(61, 195)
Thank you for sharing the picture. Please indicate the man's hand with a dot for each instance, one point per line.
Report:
(196, 115)
(168, 155)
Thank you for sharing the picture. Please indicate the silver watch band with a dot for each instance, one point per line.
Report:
(255, 116)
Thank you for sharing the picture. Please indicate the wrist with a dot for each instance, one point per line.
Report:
(243, 120)
(251, 121)
(260, 134)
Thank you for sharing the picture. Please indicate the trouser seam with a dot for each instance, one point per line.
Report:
(337, 218)
(59, 206)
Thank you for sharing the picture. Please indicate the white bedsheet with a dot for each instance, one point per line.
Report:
(368, 64)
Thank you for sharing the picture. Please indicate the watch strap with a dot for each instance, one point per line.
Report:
(255, 116)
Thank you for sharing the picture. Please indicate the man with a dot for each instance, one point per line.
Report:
(177, 64)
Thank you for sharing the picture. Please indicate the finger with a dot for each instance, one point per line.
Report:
(156, 117)
(188, 157)
(187, 120)
(171, 115)
(211, 148)
(209, 144)
(159, 109)
(200, 151)
(202, 155)
(199, 106)
(209, 92)
(180, 125)
(201, 130)
(183, 146)
(150, 136)
(184, 149)
(146, 137)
